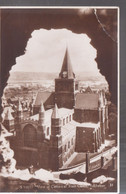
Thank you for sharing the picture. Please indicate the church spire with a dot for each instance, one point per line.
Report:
(67, 71)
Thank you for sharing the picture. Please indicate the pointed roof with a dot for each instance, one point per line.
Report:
(8, 115)
(67, 67)
(41, 107)
(55, 113)
(88, 90)
(19, 107)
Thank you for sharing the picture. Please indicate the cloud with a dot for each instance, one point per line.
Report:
(46, 48)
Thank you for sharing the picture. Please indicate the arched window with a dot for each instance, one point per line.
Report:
(68, 144)
(70, 118)
(30, 136)
(72, 141)
(63, 121)
(67, 120)
(47, 131)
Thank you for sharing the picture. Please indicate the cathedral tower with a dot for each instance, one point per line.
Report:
(55, 141)
(41, 121)
(65, 85)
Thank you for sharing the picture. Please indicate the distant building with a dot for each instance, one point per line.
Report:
(63, 122)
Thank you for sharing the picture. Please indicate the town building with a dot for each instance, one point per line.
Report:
(61, 123)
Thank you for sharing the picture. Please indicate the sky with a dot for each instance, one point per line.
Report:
(46, 48)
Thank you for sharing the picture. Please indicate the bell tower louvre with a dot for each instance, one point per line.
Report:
(65, 84)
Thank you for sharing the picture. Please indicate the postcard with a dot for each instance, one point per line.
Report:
(59, 105)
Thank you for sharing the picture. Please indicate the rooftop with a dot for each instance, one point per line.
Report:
(87, 101)
(44, 96)
(69, 128)
(48, 113)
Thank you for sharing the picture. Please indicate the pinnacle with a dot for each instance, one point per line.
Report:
(55, 113)
(41, 107)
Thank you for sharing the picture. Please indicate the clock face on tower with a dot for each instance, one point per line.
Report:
(65, 74)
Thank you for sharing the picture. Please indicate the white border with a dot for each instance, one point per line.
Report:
(59, 7)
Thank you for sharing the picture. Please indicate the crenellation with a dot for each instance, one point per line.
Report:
(29, 120)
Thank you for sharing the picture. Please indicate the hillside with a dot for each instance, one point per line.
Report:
(39, 76)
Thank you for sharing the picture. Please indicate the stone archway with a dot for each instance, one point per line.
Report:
(30, 136)
(18, 24)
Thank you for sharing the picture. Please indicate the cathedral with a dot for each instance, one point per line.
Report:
(62, 122)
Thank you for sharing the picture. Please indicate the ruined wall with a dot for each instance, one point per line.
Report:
(18, 24)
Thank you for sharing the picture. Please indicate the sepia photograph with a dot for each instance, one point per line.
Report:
(59, 111)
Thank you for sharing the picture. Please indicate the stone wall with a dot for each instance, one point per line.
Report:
(84, 139)
(82, 116)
